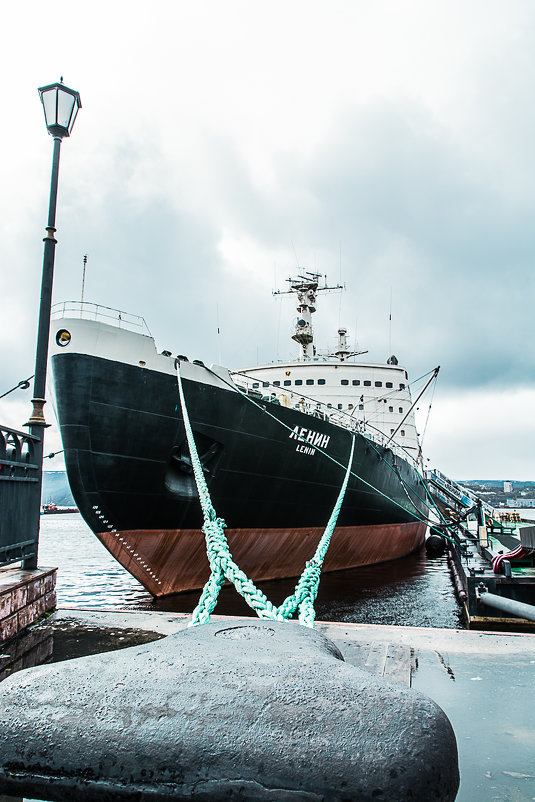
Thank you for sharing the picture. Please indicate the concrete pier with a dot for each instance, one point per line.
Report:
(483, 681)
(251, 709)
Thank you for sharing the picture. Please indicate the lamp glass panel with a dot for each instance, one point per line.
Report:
(75, 112)
(65, 103)
(49, 103)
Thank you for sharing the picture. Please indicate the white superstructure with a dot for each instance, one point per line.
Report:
(368, 397)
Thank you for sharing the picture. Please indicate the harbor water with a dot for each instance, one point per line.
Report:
(414, 591)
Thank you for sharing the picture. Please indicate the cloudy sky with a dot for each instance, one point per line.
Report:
(223, 145)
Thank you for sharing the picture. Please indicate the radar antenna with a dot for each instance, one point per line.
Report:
(306, 285)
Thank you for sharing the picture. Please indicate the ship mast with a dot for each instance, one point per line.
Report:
(306, 286)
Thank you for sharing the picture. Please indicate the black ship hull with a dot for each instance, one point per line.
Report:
(274, 474)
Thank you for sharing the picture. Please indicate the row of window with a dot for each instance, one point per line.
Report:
(288, 383)
(299, 382)
(367, 383)
(361, 406)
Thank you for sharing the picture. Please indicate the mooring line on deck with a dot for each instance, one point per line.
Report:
(263, 409)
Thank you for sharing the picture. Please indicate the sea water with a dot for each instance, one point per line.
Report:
(413, 591)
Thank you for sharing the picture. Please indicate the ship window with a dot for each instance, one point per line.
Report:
(339, 406)
(265, 384)
(401, 386)
(367, 384)
(361, 406)
(299, 382)
(356, 382)
(287, 382)
(310, 381)
(389, 384)
(403, 432)
(277, 384)
(350, 406)
(321, 381)
(390, 409)
(401, 409)
(392, 431)
(255, 385)
(378, 384)
(329, 406)
(344, 381)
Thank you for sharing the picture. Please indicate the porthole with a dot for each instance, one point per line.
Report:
(63, 338)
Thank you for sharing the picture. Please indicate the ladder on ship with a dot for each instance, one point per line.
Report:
(454, 499)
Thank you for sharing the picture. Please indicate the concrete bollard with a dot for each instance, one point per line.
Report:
(248, 709)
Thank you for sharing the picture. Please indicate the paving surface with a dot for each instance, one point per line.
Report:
(243, 708)
(483, 681)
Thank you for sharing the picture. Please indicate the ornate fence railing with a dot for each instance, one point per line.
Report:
(20, 502)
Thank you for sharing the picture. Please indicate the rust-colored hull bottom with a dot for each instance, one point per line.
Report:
(174, 560)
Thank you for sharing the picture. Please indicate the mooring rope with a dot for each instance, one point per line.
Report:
(222, 566)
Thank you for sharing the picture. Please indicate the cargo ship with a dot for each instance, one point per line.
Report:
(274, 441)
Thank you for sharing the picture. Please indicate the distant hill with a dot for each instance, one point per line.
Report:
(495, 482)
(56, 488)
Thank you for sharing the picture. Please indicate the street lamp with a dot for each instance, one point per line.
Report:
(61, 106)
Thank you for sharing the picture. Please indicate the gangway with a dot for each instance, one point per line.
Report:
(453, 497)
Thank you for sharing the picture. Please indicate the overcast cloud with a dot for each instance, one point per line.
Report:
(223, 144)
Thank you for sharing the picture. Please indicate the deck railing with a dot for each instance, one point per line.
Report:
(19, 496)
(323, 410)
(104, 314)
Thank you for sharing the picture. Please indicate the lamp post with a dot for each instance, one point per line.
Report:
(61, 106)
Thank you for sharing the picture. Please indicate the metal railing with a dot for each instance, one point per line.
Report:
(19, 496)
(320, 409)
(104, 314)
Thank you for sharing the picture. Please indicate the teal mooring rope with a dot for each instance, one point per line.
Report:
(223, 566)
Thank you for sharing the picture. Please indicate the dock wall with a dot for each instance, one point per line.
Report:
(24, 597)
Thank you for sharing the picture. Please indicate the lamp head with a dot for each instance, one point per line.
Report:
(61, 106)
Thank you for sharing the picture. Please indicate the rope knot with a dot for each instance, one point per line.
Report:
(223, 566)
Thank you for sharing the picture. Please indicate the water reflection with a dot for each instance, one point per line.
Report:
(31, 648)
(414, 591)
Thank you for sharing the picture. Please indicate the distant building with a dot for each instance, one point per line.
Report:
(507, 487)
(521, 502)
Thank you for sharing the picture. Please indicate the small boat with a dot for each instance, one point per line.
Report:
(52, 509)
